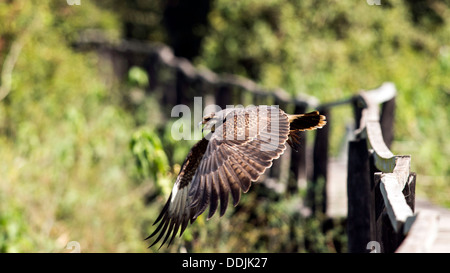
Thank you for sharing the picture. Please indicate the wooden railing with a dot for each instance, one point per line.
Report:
(380, 186)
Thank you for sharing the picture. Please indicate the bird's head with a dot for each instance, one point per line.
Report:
(209, 122)
(215, 119)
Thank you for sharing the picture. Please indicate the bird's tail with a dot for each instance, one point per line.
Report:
(303, 122)
(308, 121)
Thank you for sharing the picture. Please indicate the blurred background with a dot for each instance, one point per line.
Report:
(87, 156)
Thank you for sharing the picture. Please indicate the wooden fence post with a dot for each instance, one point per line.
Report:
(358, 106)
(298, 159)
(358, 191)
(320, 159)
(224, 96)
(382, 230)
(168, 89)
(182, 87)
(260, 98)
(151, 66)
(378, 210)
(390, 239)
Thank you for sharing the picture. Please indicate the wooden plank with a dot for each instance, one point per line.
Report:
(384, 159)
(384, 93)
(442, 242)
(207, 76)
(394, 200)
(402, 169)
(337, 188)
(307, 101)
(366, 106)
(391, 187)
(358, 191)
(166, 56)
(281, 98)
(185, 67)
(422, 234)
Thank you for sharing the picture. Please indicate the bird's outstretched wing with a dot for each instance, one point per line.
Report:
(237, 153)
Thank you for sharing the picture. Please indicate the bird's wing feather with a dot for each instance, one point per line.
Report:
(242, 149)
(177, 212)
(238, 152)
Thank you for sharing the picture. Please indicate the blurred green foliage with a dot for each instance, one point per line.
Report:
(65, 163)
(138, 77)
(151, 159)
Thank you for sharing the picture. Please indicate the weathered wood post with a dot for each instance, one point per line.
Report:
(298, 178)
(151, 66)
(358, 191)
(320, 169)
(168, 89)
(224, 95)
(358, 105)
(182, 88)
(382, 230)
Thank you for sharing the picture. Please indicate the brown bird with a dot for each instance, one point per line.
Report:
(242, 144)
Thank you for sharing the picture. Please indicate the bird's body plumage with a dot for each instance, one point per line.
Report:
(242, 144)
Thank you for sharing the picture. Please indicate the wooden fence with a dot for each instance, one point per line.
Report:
(380, 186)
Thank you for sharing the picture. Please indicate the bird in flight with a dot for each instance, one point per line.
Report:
(241, 145)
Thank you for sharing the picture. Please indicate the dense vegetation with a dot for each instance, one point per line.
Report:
(79, 163)
(63, 138)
